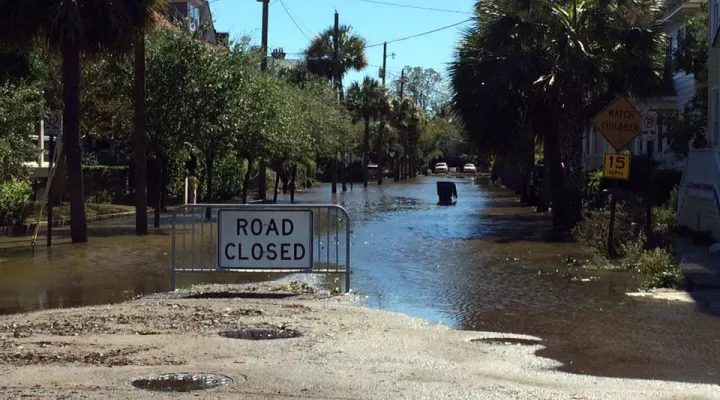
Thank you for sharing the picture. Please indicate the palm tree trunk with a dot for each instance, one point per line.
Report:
(139, 148)
(366, 151)
(160, 192)
(557, 181)
(71, 125)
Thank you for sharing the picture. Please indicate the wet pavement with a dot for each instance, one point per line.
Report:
(485, 263)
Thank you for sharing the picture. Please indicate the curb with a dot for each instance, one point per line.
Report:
(29, 227)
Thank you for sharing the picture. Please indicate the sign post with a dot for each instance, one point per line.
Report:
(619, 122)
(650, 131)
(251, 239)
(52, 128)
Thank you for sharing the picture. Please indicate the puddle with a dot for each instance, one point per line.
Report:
(245, 295)
(509, 341)
(182, 382)
(260, 334)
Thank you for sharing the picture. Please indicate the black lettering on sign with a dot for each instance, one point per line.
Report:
(257, 252)
(242, 225)
(240, 256)
(272, 253)
(272, 227)
(287, 227)
(285, 251)
(256, 227)
(299, 251)
(227, 251)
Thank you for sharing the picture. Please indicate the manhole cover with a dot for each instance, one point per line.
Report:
(184, 382)
(508, 341)
(260, 334)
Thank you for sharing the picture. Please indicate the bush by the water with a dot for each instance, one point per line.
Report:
(15, 204)
(658, 267)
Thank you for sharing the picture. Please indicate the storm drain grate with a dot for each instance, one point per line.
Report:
(260, 334)
(181, 382)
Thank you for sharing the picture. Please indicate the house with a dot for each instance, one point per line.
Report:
(197, 12)
(699, 191)
(679, 92)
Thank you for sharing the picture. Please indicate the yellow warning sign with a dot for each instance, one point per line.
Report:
(616, 166)
(619, 122)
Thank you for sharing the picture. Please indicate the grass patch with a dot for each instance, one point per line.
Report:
(62, 212)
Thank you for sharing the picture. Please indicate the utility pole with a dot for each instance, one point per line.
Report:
(402, 83)
(336, 79)
(381, 142)
(262, 167)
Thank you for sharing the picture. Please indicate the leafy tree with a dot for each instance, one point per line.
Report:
(73, 28)
(425, 86)
(320, 54)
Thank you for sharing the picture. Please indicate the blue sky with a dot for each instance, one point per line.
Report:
(376, 22)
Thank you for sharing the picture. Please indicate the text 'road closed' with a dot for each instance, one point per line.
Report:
(249, 239)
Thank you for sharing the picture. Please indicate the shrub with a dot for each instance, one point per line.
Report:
(592, 232)
(15, 204)
(658, 267)
(229, 176)
(105, 184)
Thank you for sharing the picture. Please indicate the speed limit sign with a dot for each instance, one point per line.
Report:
(52, 124)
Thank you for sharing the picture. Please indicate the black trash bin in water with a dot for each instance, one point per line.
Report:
(447, 193)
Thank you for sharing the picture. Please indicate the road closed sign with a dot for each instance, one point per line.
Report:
(250, 239)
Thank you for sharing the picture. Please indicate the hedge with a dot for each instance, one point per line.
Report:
(106, 184)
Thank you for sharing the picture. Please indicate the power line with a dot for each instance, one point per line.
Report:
(415, 7)
(420, 34)
(282, 3)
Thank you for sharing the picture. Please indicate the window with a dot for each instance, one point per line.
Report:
(194, 16)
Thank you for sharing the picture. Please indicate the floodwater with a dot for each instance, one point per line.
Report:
(483, 264)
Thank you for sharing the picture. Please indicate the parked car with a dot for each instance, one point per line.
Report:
(535, 184)
(441, 167)
(469, 168)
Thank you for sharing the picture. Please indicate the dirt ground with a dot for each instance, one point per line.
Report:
(336, 349)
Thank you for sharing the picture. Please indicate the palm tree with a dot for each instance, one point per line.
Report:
(73, 28)
(366, 102)
(545, 68)
(320, 54)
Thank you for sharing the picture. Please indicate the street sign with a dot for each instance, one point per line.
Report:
(616, 166)
(650, 126)
(52, 124)
(619, 123)
(254, 239)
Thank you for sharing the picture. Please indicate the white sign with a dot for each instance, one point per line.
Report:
(252, 239)
(649, 126)
(52, 124)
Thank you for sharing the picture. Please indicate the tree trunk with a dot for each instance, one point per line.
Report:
(160, 190)
(71, 128)
(277, 183)
(343, 173)
(292, 183)
(381, 153)
(334, 173)
(413, 164)
(557, 182)
(572, 154)
(139, 148)
(209, 166)
(246, 182)
(366, 151)
(396, 169)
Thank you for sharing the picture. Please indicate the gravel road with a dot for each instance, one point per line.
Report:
(344, 351)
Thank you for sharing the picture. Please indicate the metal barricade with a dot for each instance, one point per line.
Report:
(195, 242)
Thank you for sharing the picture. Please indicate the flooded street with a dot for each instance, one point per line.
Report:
(484, 264)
